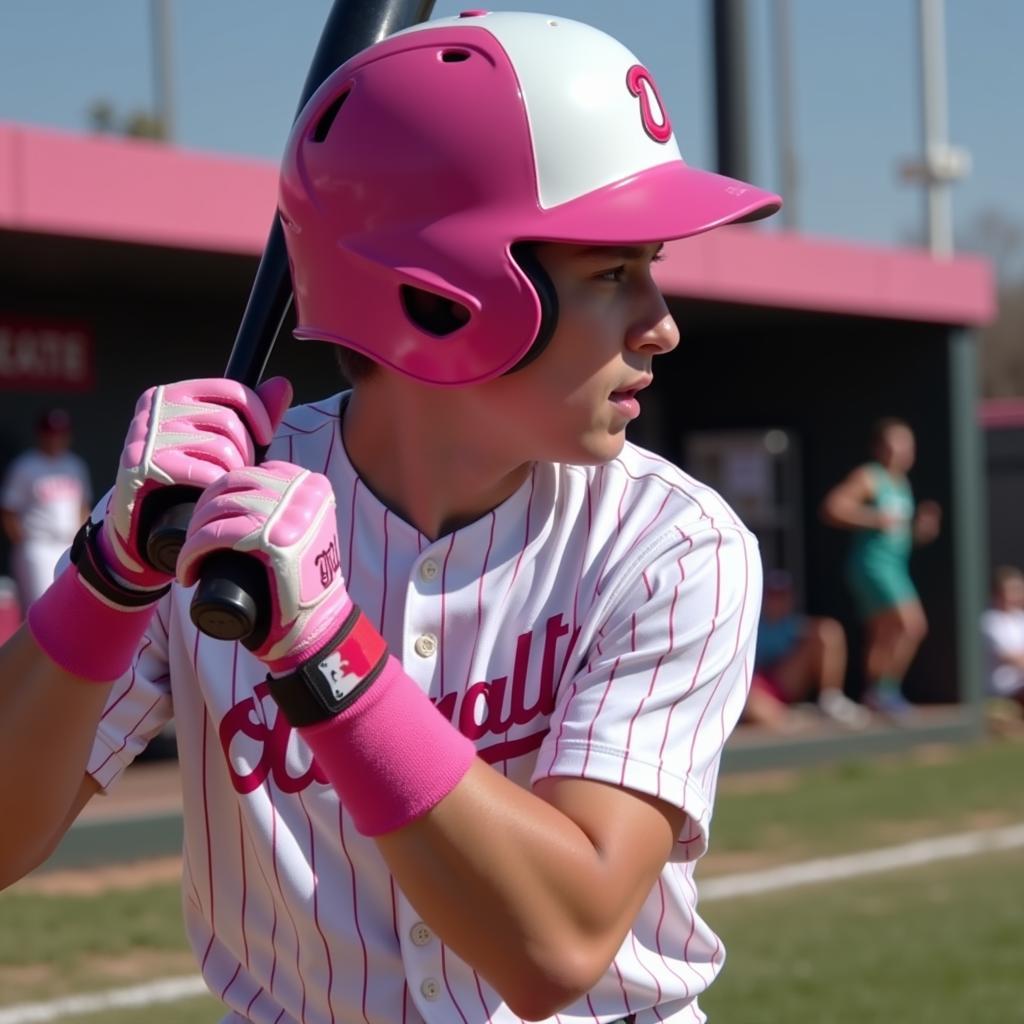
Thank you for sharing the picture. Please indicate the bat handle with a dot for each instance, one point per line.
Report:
(232, 598)
(165, 516)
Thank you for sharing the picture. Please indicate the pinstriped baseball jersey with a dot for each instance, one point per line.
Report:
(599, 624)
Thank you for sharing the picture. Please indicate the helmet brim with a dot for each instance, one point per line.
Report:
(662, 203)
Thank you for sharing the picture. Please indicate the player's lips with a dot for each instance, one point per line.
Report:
(624, 399)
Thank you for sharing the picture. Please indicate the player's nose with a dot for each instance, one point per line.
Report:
(656, 332)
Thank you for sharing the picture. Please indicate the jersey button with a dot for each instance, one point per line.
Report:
(430, 989)
(426, 645)
(420, 934)
(428, 570)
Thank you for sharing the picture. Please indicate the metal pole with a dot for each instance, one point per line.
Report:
(788, 173)
(163, 73)
(731, 121)
(935, 125)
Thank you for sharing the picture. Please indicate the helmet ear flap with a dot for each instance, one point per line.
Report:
(525, 256)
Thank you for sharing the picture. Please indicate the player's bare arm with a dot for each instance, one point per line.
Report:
(848, 505)
(48, 721)
(12, 525)
(536, 890)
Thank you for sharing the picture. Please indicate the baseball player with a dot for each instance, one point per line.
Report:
(465, 767)
(44, 499)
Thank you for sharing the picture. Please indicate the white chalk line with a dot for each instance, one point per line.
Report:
(867, 862)
(751, 883)
(166, 990)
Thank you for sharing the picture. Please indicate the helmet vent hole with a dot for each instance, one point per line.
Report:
(433, 313)
(454, 56)
(323, 126)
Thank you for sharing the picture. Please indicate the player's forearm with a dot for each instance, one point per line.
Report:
(850, 515)
(48, 721)
(12, 526)
(517, 889)
(1013, 658)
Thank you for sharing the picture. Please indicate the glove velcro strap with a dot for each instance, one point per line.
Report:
(335, 677)
(92, 567)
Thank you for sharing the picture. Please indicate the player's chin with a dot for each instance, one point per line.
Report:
(599, 446)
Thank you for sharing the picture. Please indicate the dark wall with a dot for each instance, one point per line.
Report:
(1004, 471)
(826, 379)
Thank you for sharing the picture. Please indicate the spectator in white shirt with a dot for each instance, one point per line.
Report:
(1002, 626)
(44, 499)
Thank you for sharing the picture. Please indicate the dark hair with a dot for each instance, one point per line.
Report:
(1003, 574)
(353, 365)
(882, 426)
(53, 421)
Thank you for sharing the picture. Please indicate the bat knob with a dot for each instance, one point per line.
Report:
(165, 518)
(230, 601)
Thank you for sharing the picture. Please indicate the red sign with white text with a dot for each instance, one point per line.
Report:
(45, 355)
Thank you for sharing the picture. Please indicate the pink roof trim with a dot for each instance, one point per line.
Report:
(790, 271)
(1001, 413)
(133, 191)
(126, 190)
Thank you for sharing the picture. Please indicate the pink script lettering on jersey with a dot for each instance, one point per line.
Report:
(479, 711)
(247, 722)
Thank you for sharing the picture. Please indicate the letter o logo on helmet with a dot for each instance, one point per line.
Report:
(653, 114)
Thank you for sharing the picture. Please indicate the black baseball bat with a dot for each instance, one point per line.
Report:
(231, 598)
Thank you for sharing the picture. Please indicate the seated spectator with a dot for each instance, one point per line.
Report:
(1002, 627)
(798, 657)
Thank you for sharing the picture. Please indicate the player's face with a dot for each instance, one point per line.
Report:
(573, 403)
(1012, 593)
(53, 442)
(899, 449)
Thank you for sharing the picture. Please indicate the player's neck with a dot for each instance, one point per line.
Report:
(422, 462)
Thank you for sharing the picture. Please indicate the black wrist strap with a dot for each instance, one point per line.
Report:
(87, 559)
(335, 677)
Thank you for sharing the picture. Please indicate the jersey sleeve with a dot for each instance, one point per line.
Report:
(138, 708)
(666, 677)
(139, 705)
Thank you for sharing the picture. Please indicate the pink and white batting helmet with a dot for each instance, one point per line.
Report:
(420, 163)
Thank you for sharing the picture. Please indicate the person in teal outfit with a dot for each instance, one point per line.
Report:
(876, 503)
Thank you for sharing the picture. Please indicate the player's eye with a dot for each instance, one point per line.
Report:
(614, 274)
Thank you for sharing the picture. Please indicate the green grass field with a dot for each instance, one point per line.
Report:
(935, 944)
(938, 944)
(856, 805)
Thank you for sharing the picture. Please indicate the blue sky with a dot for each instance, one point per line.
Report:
(239, 66)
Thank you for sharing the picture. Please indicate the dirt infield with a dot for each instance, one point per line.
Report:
(92, 880)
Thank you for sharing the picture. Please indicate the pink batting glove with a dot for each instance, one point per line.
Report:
(284, 517)
(185, 434)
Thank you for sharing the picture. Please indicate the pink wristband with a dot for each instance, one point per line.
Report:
(83, 633)
(392, 755)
